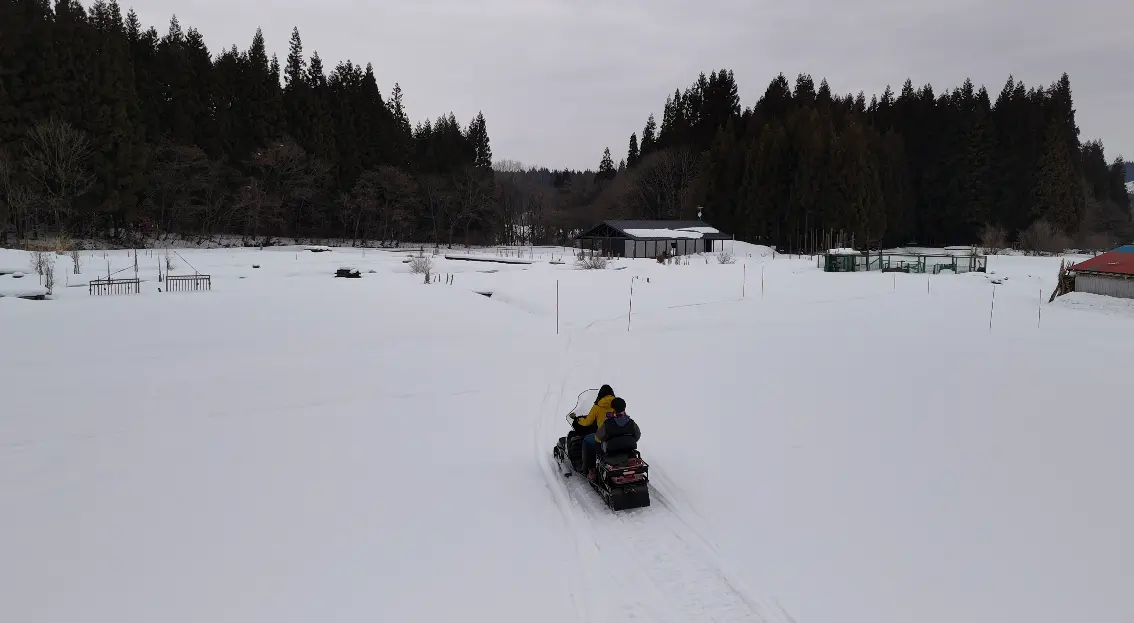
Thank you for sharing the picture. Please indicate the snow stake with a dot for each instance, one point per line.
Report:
(993, 309)
(630, 310)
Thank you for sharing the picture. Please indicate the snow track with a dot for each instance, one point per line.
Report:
(646, 564)
(651, 565)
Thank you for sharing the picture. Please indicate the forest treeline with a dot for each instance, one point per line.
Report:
(911, 167)
(109, 129)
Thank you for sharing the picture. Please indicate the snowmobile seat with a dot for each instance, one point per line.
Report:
(623, 444)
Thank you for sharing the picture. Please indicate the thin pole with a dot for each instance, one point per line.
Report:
(556, 307)
(744, 283)
(1039, 309)
(993, 309)
(761, 281)
(631, 308)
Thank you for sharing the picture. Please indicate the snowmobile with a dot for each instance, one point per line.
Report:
(622, 477)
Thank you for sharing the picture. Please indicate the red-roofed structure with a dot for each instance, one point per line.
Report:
(1120, 261)
(1108, 274)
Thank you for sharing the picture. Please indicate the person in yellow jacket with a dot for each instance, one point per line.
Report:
(594, 418)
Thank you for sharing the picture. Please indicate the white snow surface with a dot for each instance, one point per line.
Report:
(668, 233)
(22, 286)
(824, 447)
(701, 230)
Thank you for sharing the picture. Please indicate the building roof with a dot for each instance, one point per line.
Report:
(1118, 261)
(638, 229)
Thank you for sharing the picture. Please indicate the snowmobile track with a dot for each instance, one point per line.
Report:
(646, 564)
(575, 575)
(655, 560)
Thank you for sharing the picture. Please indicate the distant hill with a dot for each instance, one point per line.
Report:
(1130, 171)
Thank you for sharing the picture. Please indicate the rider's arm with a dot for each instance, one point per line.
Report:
(589, 418)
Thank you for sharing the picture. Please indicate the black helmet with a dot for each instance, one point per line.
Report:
(619, 405)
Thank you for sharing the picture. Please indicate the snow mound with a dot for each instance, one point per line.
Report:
(745, 249)
(469, 257)
(20, 287)
(1096, 303)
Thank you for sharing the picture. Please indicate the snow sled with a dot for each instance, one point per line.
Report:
(621, 476)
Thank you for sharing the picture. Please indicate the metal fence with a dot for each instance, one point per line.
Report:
(903, 263)
(105, 286)
(188, 283)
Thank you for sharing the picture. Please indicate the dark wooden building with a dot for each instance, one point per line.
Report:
(642, 238)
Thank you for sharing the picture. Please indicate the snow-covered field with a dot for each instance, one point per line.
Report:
(824, 448)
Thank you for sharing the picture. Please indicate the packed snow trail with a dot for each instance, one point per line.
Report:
(645, 564)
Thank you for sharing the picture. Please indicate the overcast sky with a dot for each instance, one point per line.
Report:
(558, 80)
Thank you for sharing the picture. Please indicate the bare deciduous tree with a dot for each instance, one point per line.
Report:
(288, 178)
(994, 239)
(215, 211)
(396, 201)
(661, 186)
(422, 264)
(178, 176)
(473, 194)
(1042, 237)
(591, 262)
(438, 199)
(39, 263)
(55, 158)
(19, 201)
(49, 272)
(258, 207)
(508, 166)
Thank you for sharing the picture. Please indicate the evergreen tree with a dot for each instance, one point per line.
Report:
(1057, 199)
(297, 96)
(632, 153)
(478, 139)
(648, 137)
(606, 169)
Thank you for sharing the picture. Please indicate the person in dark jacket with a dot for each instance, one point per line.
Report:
(617, 424)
